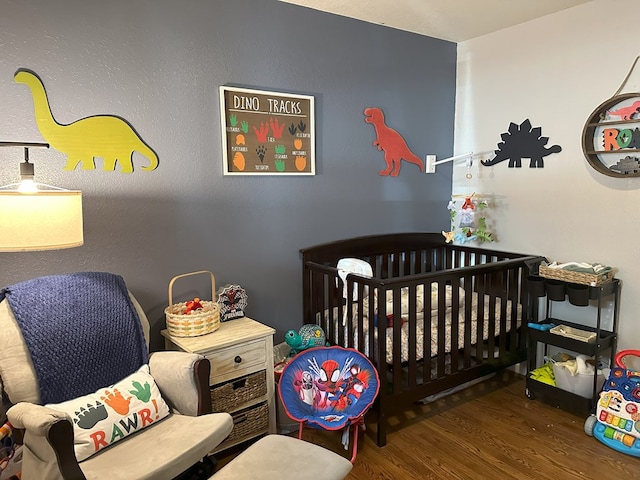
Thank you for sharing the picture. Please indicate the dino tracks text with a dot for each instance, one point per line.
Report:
(286, 107)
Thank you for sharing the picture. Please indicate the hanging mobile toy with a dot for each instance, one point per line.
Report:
(448, 236)
(465, 236)
(481, 232)
(469, 227)
(468, 204)
(467, 213)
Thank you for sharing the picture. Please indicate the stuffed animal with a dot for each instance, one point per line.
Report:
(308, 336)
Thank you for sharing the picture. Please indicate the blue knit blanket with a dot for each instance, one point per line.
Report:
(81, 329)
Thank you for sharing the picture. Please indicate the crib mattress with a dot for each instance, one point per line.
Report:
(430, 324)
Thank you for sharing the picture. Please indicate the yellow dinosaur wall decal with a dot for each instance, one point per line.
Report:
(105, 136)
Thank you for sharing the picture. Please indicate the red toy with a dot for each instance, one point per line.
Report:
(468, 204)
(192, 305)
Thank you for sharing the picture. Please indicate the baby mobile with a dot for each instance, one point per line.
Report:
(468, 220)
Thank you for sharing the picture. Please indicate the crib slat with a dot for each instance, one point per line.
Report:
(468, 320)
(412, 334)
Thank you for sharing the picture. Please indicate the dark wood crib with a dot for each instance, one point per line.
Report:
(452, 313)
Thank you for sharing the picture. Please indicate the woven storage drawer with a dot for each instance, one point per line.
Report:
(229, 395)
(247, 423)
(576, 277)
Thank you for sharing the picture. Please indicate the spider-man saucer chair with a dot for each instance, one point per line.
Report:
(329, 388)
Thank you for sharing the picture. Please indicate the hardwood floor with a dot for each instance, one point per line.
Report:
(488, 431)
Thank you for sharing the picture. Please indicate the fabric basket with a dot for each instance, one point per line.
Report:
(198, 322)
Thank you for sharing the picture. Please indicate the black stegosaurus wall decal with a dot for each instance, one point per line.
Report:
(522, 141)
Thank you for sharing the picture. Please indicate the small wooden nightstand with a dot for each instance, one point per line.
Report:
(242, 380)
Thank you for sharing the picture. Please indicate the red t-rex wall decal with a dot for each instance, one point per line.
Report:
(393, 144)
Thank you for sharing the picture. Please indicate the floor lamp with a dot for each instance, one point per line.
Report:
(34, 216)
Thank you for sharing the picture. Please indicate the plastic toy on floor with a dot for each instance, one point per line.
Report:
(308, 336)
(617, 419)
(10, 454)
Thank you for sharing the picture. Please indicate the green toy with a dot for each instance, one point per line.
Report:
(308, 336)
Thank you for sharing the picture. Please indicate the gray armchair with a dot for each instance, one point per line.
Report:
(162, 450)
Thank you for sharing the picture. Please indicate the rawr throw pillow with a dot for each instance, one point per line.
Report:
(112, 413)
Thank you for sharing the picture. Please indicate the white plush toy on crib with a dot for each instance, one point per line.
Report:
(352, 265)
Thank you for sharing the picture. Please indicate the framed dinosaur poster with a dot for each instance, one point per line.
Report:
(267, 133)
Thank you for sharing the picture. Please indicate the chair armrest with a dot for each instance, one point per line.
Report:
(48, 442)
(35, 418)
(183, 380)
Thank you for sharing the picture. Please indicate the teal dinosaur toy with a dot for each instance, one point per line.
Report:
(308, 336)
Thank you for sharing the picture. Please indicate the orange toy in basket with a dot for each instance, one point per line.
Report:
(192, 305)
(195, 317)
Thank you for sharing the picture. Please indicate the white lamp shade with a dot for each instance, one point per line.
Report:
(46, 220)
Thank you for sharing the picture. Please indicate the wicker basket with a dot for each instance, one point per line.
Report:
(246, 424)
(581, 278)
(228, 396)
(198, 322)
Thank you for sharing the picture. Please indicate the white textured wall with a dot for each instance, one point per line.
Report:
(555, 71)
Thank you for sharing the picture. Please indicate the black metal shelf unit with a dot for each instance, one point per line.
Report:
(605, 341)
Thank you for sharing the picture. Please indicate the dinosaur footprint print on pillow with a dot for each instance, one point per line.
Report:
(87, 418)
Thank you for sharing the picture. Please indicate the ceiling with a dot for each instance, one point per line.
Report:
(452, 20)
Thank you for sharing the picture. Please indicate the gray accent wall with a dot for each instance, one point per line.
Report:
(159, 65)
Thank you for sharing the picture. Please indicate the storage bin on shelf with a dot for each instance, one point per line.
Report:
(579, 379)
(556, 289)
(578, 294)
(195, 323)
(246, 423)
(535, 285)
(570, 276)
(228, 396)
(580, 383)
